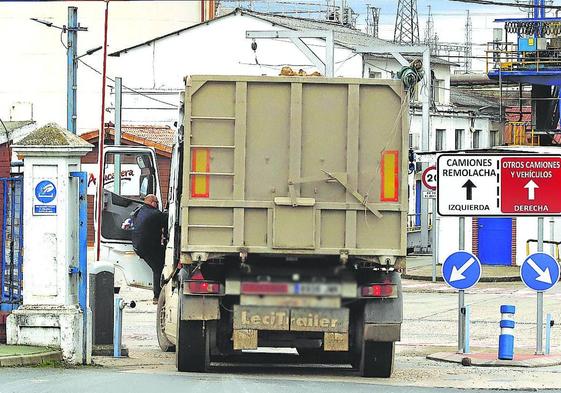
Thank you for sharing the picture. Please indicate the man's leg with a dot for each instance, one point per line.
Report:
(153, 261)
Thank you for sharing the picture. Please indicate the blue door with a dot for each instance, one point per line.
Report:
(418, 203)
(495, 241)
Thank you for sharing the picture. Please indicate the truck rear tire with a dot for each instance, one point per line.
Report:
(163, 342)
(376, 359)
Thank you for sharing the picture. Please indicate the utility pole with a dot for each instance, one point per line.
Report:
(406, 23)
(72, 68)
(372, 20)
(71, 62)
(429, 32)
(468, 44)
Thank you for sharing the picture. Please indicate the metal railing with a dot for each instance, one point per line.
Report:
(414, 220)
(554, 243)
(505, 56)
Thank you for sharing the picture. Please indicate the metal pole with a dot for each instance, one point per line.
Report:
(72, 65)
(539, 302)
(329, 55)
(548, 334)
(83, 256)
(466, 330)
(118, 125)
(117, 326)
(101, 138)
(552, 235)
(425, 139)
(434, 240)
(461, 300)
(461, 321)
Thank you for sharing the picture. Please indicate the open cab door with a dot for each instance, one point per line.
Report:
(121, 196)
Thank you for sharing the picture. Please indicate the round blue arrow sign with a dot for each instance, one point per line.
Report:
(461, 270)
(539, 271)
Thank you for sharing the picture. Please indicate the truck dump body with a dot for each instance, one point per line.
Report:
(295, 166)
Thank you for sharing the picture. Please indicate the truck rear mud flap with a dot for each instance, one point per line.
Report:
(248, 320)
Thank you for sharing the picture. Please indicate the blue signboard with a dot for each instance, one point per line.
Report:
(44, 209)
(539, 271)
(45, 191)
(461, 270)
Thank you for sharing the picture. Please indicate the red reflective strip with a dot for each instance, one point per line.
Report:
(200, 162)
(264, 288)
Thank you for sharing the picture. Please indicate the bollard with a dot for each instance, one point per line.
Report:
(506, 339)
(120, 304)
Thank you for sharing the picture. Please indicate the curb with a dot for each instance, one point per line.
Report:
(440, 279)
(472, 360)
(29, 360)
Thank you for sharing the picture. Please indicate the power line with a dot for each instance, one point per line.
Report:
(113, 80)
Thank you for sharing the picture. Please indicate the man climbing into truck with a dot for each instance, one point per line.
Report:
(148, 235)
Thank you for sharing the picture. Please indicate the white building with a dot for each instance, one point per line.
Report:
(157, 67)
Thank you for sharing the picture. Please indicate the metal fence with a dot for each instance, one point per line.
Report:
(11, 192)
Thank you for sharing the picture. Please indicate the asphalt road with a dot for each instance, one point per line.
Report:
(41, 380)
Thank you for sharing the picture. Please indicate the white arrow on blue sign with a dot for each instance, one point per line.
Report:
(461, 270)
(539, 271)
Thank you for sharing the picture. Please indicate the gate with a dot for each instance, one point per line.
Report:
(11, 218)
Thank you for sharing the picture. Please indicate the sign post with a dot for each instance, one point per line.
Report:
(429, 180)
(539, 272)
(461, 270)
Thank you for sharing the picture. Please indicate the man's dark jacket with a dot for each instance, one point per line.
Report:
(147, 233)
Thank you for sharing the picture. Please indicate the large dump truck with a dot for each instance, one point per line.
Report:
(288, 209)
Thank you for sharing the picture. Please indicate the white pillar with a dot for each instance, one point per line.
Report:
(50, 315)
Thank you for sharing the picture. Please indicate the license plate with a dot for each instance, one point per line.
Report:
(317, 289)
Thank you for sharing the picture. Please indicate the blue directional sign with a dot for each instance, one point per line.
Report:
(461, 270)
(539, 271)
(45, 191)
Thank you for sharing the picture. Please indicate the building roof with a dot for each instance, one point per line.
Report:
(472, 100)
(14, 125)
(52, 135)
(158, 137)
(343, 35)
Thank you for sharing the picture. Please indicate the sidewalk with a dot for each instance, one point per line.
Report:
(421, 268)
(23, 355)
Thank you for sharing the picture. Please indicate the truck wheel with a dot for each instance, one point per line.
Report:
(163, 342)
(192, 348)
(377, 359)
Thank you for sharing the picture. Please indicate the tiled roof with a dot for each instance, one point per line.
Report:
(159, 137)
(159, 134)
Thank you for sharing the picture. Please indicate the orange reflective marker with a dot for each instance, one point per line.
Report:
(390, 181)
(200, 162)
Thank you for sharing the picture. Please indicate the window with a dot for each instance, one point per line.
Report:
(494, 135)
(438, 91)
(459, 142)
(476, 139)
(374, 74)
(440, 139)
